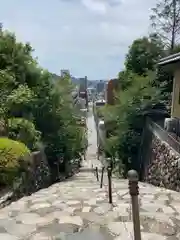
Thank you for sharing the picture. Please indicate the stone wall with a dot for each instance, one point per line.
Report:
(164, 165)
(34, 175)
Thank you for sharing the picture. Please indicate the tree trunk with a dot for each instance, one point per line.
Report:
(173, 36)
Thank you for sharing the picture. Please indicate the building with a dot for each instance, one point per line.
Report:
(83, 84)
(111, 87)
(100, 86)
(173, 62)
(65, 72)
(83, 89)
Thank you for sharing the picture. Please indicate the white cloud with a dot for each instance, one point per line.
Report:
(95, 5)
(90, 37)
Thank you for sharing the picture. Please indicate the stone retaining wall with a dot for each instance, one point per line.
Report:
(164, 165)
(34, 175)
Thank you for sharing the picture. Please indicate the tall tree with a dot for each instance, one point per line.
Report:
(143, 54)
(32, 100)
(165, 20)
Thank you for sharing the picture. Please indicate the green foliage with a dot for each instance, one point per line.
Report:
(143, 55)
(164, 81)
(139, 90)
(132, 103)
(35, 105)
(165, 20)
(128, 120)
(20, 101)
(99, 112)
(125, 78)
(59, 128)
(24, 131)
(10, 154)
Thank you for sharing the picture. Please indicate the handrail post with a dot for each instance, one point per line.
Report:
(97, 175)
(102, 176)
(134, 192)
(109, 172)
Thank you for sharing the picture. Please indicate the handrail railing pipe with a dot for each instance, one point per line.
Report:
(109, 173)
(102, 177)
(97, 174)
(134, 192)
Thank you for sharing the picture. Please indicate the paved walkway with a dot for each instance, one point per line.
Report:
(79, 209)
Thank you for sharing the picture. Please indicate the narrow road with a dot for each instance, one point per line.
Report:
(79, 209)
(92, 143)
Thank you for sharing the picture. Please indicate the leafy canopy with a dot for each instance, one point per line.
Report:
(35, 106)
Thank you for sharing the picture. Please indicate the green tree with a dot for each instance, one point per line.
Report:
(24, 131)
(143, 55)
(139, 89)
(33, 98)
(128, 119)
(165, 20)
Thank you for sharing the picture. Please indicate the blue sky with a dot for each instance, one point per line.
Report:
(88, 37)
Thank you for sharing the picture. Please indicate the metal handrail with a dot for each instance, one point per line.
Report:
(164, 136)
(102, 177)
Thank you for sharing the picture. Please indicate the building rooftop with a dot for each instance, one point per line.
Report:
(170, 59)
(64, 72)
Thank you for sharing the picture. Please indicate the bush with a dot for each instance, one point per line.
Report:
(10, 154)
(24, 130)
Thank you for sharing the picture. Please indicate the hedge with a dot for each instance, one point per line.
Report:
(11, 152)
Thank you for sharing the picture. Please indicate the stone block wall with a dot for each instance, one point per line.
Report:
(163, 169)
(34, 175)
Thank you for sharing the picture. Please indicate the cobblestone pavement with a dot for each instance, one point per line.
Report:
(79, 209)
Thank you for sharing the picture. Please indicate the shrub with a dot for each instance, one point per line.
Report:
(24, 130)
(10, 154)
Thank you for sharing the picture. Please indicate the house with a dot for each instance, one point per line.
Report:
(173, 62)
